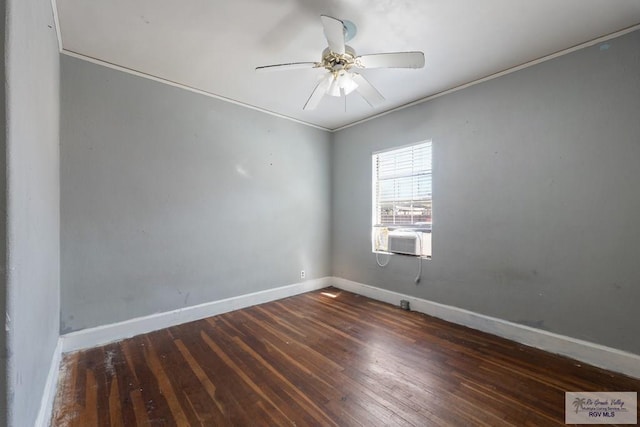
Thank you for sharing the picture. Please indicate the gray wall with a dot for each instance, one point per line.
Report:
(3, 226)
(536, 199)
(172, 199)
(33, 208)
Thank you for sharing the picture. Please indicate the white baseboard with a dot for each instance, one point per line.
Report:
(101, 335)
(584, 351)
(594, 354)
(49, 394)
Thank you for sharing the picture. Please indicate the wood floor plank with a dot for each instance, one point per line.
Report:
(115, 408)
(236, 368)
(98, 362)
(138, 408)
(154, 401)
(209, 387)
(180, 385)
(325, 358)
(127, 382)
(164, 384)
(64, 408)
(231, 393)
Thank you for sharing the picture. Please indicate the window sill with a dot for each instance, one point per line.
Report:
(428, 257)
(405, 228)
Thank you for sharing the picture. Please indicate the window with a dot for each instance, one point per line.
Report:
(402, 200)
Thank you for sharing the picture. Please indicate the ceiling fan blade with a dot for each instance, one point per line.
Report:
(334, 32)
(318, 92)
(288, 66)
(391, 60)
(368, 92)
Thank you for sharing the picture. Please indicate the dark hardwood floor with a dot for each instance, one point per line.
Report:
(320, 359)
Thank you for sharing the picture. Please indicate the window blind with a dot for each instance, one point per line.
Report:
(402, 192)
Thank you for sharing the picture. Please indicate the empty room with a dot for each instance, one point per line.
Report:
(335, 213)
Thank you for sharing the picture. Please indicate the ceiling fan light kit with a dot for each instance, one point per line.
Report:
(339, 60)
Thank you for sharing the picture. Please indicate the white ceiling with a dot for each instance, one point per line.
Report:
(214, 45)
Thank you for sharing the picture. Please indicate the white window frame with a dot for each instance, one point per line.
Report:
(417, 177)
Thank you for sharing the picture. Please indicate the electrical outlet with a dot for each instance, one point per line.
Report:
(302, 274)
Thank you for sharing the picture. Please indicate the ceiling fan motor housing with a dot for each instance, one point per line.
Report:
(338, 61)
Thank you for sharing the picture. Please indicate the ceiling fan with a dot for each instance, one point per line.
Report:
(340, 61)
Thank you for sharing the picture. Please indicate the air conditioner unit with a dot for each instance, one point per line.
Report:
(404, 242)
